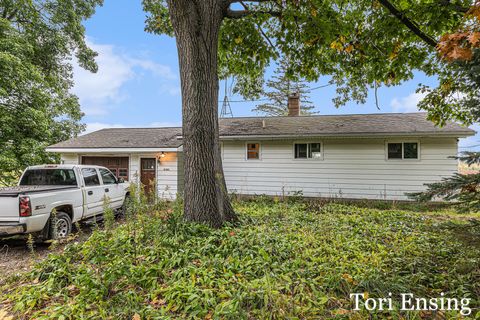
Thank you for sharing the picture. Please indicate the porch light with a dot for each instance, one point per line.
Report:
(160, 156)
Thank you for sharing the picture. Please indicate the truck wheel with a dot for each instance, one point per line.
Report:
(123, 209)
(60, 226)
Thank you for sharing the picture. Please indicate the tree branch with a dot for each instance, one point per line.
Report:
(238, 14)
(258, 1)
(12, 15)
(408, 23)
(259, 27)
(454, 7)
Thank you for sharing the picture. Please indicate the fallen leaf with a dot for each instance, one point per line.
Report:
(4, 315)
(341, 311)
(136, 316)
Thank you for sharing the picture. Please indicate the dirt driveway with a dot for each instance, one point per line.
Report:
(16, 257)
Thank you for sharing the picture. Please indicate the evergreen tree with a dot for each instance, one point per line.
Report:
(281, 86)
(462, 188)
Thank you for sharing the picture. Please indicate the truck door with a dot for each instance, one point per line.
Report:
(94, 191)
(113, 190)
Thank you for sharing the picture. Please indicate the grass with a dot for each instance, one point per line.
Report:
(284, 261)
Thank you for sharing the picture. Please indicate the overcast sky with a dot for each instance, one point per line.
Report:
(138, 85)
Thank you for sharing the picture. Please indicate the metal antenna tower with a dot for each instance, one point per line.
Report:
(226, 108)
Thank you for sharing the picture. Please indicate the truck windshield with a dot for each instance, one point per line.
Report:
(49, 177)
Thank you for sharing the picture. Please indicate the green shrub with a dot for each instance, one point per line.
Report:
(284, 261)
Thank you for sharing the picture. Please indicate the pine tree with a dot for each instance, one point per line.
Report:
(281, 85)
(462, 188)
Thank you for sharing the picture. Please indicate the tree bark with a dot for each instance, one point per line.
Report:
(197, 24)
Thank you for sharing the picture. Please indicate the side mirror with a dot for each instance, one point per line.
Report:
(120, 180)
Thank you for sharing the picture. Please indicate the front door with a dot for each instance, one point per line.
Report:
(147, 174)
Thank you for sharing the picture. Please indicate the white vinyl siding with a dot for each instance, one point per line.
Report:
(167, 176)
(69, 158)
(351, 168)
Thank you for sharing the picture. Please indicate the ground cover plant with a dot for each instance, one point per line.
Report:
(285, 260)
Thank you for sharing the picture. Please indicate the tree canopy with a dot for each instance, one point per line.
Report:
(457, 97)
(37, 41)
(360, 44)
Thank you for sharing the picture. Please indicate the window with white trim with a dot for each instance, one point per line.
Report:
(402, 150)
(308, 150)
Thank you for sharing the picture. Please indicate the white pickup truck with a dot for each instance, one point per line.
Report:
(74, 192)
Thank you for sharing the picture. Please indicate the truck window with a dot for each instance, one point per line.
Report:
(90, 177)
(49, 177)
(107, 177)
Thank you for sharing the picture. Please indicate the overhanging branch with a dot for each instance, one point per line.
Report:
(259, 28)
(408, 23)
(257, 1)
(238, 14)
(454, 7)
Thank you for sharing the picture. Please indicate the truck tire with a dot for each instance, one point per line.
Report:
(60, 226)
(123, 209)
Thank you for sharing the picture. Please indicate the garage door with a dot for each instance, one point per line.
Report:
(118, 165)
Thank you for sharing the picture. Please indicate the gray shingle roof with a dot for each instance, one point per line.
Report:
(386, 124)
(339, 125)
(125, 138)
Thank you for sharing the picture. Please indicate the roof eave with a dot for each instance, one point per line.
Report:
(463, 134)
(109, 150)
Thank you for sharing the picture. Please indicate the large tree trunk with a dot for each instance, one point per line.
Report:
(197, 25)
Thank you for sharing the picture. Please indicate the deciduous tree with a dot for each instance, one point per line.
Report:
(37, 41)
(360, 44)
(457, 97)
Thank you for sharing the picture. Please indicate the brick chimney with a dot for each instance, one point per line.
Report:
(294, 104)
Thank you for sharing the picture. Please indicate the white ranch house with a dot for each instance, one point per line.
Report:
(370, 156)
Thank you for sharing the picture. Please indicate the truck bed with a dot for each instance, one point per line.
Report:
(18, 190)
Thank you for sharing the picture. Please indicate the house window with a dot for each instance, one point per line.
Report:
(308, 150)
(410, 150)
(148, 164)
(402, 150)
(253, 151)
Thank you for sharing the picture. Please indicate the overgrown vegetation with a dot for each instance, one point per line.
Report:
(285, 260)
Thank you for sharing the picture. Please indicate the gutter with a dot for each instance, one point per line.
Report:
(353, 135)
